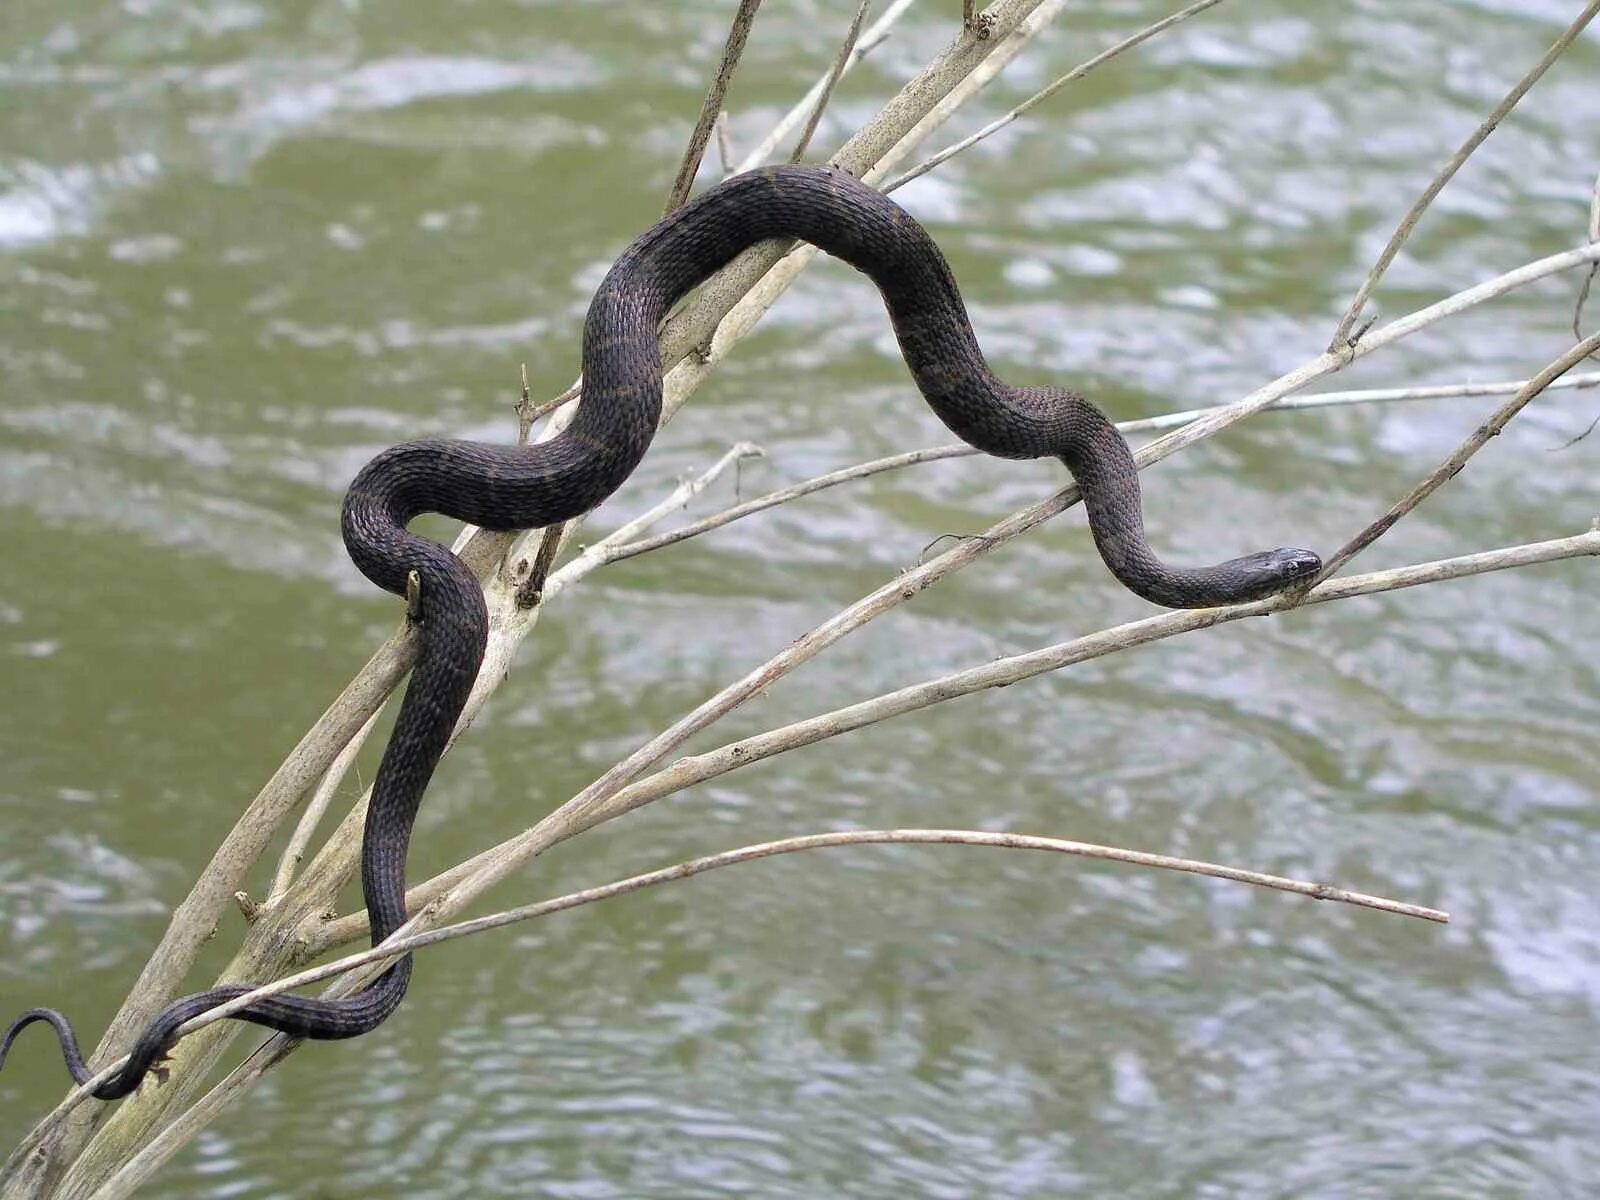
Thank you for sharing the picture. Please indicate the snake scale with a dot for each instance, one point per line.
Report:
(506, 488)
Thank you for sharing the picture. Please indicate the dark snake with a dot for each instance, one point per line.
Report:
(524, 487)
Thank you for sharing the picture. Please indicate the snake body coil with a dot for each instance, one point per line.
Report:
(506, 488)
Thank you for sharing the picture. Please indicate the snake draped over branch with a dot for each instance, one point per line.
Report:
(524, 487)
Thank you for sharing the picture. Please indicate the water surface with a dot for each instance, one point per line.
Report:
(244, 246)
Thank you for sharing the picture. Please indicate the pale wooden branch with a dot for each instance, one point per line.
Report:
(1039, 97)
(846, 49)
(1594, 212)
(327, 787)
(1451, 466)
(732, 50)
(620, 550)
(1347, 323)
(727, 858)
(894, 462)
(1366, 396)
(724, 143)
(872, 37)
(1588, 280)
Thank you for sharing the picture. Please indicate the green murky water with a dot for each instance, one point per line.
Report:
(244, 245)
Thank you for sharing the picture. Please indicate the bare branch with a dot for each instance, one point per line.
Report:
(724, 143)
(1039, 97)
(1594, 212)
(738, 34)
(911, 458)
(753, 853)
(894, 462)
(328, 787)
(122, 1184)
(1450, 467)
(1341, 335)
(875, 35)
(839, 63)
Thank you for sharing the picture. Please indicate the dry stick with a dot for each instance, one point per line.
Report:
(839, 62)
(724, 143)
(1342, 334)
(894, 462)
(1450, 467)
(460, 884)
(1363, 396)
(680, 333)
(539, 411)
(790, 845)
(738, 34)
(874, 36)
(1004, 672)
(294, 853)
(1588, 282)
(1594, 212)
(1078, 72)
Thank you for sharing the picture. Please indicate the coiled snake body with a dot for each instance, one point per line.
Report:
(505, 488)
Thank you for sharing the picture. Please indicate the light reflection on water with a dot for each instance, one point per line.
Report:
(242, 247)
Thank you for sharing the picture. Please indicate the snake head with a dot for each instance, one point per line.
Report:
(1277, 570)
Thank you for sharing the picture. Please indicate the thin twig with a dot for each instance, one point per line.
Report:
(875, 35)
(1039, 97)
(1364, 396)
(1342, 334)
(525, 409)
(894, 462)
(540, 411)
(328, 787)
(790, 845)
(839, 62)
(1594, 212)
(123, 1183)
(733, 48)
(1588, 279)
(724, 143)
(1452, 465)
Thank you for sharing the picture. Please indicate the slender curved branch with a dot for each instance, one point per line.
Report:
(1039, 97)
(732, 51)
(1451, 466)
(621, 549)
(1342, 334)
(123, 1183)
